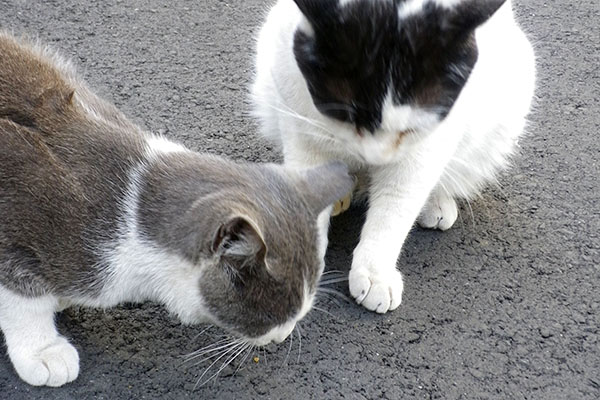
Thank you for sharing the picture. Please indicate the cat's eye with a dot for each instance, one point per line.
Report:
(340, 111)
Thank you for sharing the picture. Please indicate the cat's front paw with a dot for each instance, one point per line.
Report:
(379, 291)
(342, 205)
(53, 365)
(440, 212)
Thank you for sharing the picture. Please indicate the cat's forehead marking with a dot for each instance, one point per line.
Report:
(413, 7)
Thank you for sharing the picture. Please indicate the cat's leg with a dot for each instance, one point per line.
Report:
(440, 211)
(397, 195)
(39, 354)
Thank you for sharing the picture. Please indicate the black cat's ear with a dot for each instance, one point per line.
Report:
(318, 12)
(239, 242)
(327, 184)
(466, 16)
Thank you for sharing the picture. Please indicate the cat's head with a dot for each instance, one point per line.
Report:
(267, 248)
(387, 70)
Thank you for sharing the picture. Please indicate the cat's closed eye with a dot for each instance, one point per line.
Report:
(340, 111)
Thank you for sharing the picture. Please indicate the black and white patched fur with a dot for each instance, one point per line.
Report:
(424, 99)
(95, 212)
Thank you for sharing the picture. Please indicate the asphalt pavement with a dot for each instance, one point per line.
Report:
(505, 305)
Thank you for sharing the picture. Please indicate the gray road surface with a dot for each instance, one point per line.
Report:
(506, 305)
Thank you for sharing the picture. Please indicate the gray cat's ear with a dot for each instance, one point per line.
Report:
(239, 242)
(327, 184)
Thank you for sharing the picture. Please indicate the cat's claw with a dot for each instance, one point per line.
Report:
(376, 291)
(54, 365)
(342, 205)
(440, 212)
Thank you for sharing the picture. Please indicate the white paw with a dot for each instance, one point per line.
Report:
(53, 365)
(440, 212)
(379, 291)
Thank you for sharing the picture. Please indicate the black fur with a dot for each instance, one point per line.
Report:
(363, 50)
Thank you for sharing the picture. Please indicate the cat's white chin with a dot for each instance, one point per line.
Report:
(275, 335)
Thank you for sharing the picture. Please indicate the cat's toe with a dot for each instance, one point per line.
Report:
(53, 365)
(376, 291)
(33, 372)
(342, 205)
(439, 213)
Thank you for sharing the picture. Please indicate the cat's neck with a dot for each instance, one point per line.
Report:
(181, 196)
(155, 255)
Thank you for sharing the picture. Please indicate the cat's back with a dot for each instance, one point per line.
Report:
(34, 91)
(41, 90)
(66, 157)
(41, 93)
(35, 110)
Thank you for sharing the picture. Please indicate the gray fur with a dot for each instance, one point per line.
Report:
(67, 159)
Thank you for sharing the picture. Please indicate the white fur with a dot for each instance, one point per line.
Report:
(160, 145)
(39, 354)
(412, 7)
(455, 157)
(140, 270)
(135, 270)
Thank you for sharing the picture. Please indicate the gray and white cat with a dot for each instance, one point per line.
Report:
(95, 212)
(424, 98)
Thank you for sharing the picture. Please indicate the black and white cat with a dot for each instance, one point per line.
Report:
(424, 98)
(95, 212)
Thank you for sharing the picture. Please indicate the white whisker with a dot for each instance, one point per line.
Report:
(324, 311)
(202, 332)
(248, 352)
(230, 360)
(333, 280)
(233, 348)
(333, 292)
(329, 297)
(226, 363)
(208, 347)
(300, 117)
(333, 271)
(289, 350)
(299, 341)
(265, 355)
(206, 353)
